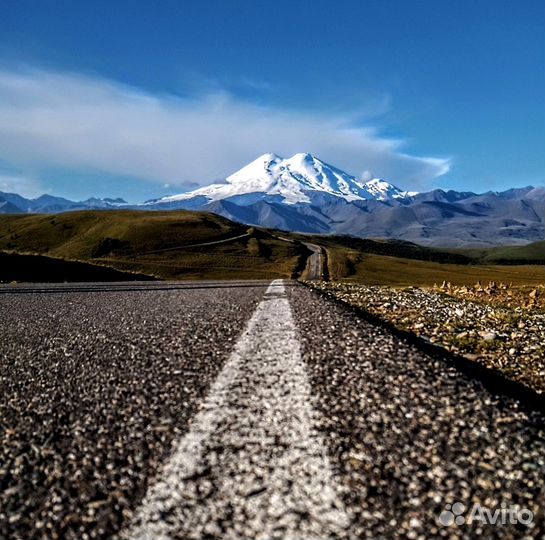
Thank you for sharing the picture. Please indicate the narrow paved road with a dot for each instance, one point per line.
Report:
(243, 410)
(314, 270)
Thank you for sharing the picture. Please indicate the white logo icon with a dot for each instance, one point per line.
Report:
(452, 514)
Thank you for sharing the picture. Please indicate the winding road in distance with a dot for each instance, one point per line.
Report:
(314, 270)
(248, 409)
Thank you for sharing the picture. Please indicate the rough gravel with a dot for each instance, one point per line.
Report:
(506, 333)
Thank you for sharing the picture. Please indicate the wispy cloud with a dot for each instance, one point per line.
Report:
(22, 185)
(67, 120)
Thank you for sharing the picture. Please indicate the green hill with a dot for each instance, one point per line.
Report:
(529, 254)
(169, 245)
(198, 245)
(395, 248)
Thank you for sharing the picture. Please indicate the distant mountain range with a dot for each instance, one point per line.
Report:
(11, 203)
(305, 194)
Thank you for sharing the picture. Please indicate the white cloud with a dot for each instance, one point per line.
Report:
(71, 121)
(22, 185)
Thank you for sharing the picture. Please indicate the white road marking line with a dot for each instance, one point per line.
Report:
(252, 465)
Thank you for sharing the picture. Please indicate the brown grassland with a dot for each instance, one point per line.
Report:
(372, 269)
(199, 245)
(167, 245)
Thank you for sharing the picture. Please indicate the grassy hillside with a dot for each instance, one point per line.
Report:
(529, 254)
(395, 262)
(170, 245)
(84, 234)
(196, 245)
(395, 248)
(372, 269)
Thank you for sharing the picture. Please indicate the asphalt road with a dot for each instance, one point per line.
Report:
(315, 263)
(244, 410)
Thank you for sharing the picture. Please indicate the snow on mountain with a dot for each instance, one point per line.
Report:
(339, 204)
(292, 181)
(106, 202)
(382, 190)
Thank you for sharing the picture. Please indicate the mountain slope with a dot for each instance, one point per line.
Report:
(11, 203)
(305, 194)
(475, 221)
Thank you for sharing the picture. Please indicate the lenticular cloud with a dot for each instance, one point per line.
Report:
(50, 119)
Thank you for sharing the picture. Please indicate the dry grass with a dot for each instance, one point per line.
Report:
(372, 269)
(137, 240)
(156, 243)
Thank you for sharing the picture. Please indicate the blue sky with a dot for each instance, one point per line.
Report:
(142, 99)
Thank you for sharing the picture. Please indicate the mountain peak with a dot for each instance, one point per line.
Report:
(303, 156)
(298, 179)
(267, 157)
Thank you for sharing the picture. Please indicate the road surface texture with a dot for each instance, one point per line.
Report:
(243, 410)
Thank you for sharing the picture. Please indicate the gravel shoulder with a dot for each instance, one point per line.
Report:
(409, 434)
(94, 387)
(500, 327)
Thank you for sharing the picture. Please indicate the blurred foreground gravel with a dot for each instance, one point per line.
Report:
(98, 382)
(501, 328)
(412, 435)
(94, 386)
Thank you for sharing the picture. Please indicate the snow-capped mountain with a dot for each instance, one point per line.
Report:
(292, 181)
(307, 195)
